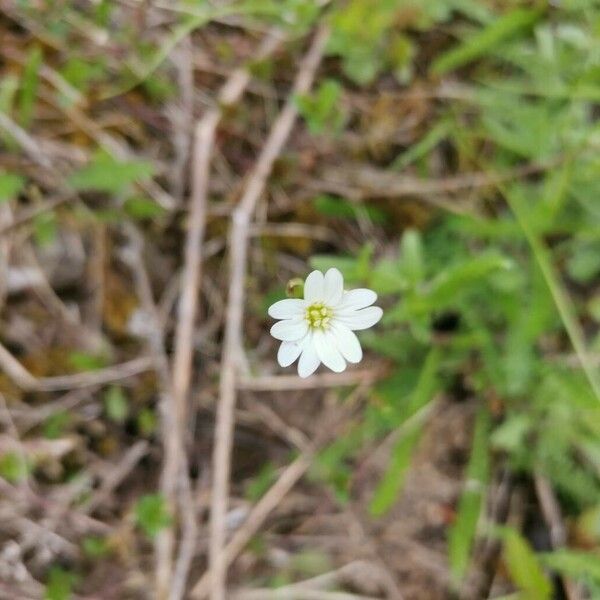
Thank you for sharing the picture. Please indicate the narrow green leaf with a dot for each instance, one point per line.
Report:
(410, 428)
(462, 532)
(457, 278)
(10, 186)
(523, 566)
(115, 403)
(483, 41)
(392, 482)
(29, 86)
(573, 563)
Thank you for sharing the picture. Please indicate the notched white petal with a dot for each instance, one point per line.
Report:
(357, 299)
(347, 343)
(333, 287)
(327, 351)
(361, 319)
(314, 287)
(309, 361)
(288, 352)
(289, 330)
(287, 309)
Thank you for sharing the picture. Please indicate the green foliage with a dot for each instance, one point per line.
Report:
(462, 532)
(45, 229)
(10, 186)
(56, 425)
(583, 566)
(147, 422)
(83, 361)
(29, 85)
(261, 483)
(363, 36)
(152, 514)
(344, 209)
(484, 41)
(13, 467)
(321, 109)
(106, 174)
(391, 483)
(524, 566)
(95, 547)
(60, 584)
(115, 404)
(140, 207)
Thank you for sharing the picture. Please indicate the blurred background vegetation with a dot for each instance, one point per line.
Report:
(447, 157)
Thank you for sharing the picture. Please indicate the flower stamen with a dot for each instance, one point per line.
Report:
(318, 316)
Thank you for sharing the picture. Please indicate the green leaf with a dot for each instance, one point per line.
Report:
(573, 563)
(425, 145)
(13, 467)
(152, 515)
(56, 424)
(116, 405)
(482, 42)
(139, 207)
(463, 530)
(392, 482)
(321, 109)
(523, 566)
(95, 547)
(261, 482)
(83, 361)
(10, 186)
(106, 174)
(457, 278)
(29, 86)
(60, 584)
(412, 256)
(584, 264)
(45, 229)
(147, 422)
(344, 209)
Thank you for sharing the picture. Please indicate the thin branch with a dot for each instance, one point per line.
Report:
(26, 381)
(233, 329)
(554, 521)
(188, 304)
(278, 383)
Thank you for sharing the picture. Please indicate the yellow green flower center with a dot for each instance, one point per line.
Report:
(318, 316)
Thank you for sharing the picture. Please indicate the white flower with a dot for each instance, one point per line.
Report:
(319, 329)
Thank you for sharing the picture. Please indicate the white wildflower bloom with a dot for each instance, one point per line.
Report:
(320, 328)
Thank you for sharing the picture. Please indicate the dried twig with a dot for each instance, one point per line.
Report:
(277, 492)
(257, 517)
(558, 535)
(233, 330)
(278, 383)
(188, 302)
(26, 381)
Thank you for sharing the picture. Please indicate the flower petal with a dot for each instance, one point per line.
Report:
(287, 309)
(327, 351)
(347, 343)
(289, 330)
(288, 353)
(361, 319)
(333, 287)
(355, 299)
(309, 361)
(313, 286)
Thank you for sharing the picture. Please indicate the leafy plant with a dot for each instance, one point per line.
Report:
(152, 515)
